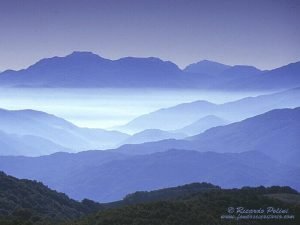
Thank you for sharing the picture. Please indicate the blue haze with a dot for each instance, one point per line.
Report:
(271, 158)
(105, 108)
(232, 120)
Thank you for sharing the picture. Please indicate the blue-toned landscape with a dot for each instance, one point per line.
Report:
(149, 134)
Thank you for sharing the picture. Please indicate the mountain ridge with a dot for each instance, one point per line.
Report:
(86, 69)
(206, 67)
(232, 161)
(233, 111)
(55, 130)
(157, 170)
(274, 133)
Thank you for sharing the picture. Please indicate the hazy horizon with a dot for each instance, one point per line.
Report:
(106, 107)
(264, 34)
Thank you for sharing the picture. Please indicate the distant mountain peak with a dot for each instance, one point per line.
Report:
(74, 55)
(83, 54)
(206, 61)
(198, 103)
(32, 129)
(85, 69)
(238, 71)
(245, 67)
(129, 58)
(147, 60)
(206, 67)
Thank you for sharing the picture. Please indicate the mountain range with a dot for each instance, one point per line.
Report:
(85, 69)
(202, 125)
(274, 133)
(262, 150)
(23, 132)
(29, 132)
(112, 178)
(206, 67)
(252, 141)
(28, 145)
(183, 115)
(150, 135)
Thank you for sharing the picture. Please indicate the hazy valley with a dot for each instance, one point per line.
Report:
(93, 137)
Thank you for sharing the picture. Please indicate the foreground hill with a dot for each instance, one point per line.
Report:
(182, 115)
(166, 194)
(202, 208)
(42, 133)
(30, 202)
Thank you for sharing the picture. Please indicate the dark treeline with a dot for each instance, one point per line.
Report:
(24, 202)
(28, 202)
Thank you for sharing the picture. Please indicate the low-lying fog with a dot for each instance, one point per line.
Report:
(105, 108)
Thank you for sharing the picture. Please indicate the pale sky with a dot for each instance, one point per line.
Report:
(263, 33)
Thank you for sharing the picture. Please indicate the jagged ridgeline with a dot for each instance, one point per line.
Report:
(24, 202)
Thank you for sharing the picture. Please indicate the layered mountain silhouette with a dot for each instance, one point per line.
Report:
(202, 124)
(177, 167)
(85, 69)
(56, 167)
(13, 144)
(182, 115)
(153, 135)
(262, 150)
(172, 118)
(111, 180)
(226, 148)
(274, 133)
(29, 132)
